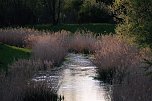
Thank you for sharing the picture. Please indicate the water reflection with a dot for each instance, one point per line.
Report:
(78, 83)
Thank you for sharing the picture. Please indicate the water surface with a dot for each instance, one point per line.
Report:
(75, 80)
(78, 83)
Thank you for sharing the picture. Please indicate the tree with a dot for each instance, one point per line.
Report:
(54, 7)
(108, 2)
(95, 13)
(137, 23)
(71, 9)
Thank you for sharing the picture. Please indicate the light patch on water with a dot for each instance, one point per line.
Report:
(78, 83)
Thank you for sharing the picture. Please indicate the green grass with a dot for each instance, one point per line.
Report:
(8, 54)
(96, 28)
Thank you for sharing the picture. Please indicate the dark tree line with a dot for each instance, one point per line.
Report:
(24, 12)
(54, 7)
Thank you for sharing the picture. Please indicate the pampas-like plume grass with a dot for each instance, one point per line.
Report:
(16, 36)
(83, 43)
(117, 62)
(120, 64)
(51, 47)
(115, 57)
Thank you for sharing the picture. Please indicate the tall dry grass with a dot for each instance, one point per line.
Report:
(52, 47)
(135, 87)
(16, 86)
(117, 61)
(82, 42)
(24, 37)
(115, 57)
(17, 36)
(121, 64)
(40, 92)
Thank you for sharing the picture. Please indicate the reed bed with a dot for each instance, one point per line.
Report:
(40, 92)
(52, 48)
(17, 36)
(17, 85)
(114, 57)
(83, 42)
(135, 87)
(117, 61)
(123, 65)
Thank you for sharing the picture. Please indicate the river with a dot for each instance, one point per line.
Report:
(75, 79)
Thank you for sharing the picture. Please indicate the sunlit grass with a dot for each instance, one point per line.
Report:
(9, 54)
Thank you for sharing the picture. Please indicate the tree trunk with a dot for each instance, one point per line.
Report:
(53, 12)
(59, 10)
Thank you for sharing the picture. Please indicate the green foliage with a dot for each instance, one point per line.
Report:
(86, 11)
(136, 15)
(96, 12)
(8, 54)
(70, 10)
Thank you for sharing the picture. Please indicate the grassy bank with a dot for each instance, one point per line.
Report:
(8, 54)
(96, 28)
